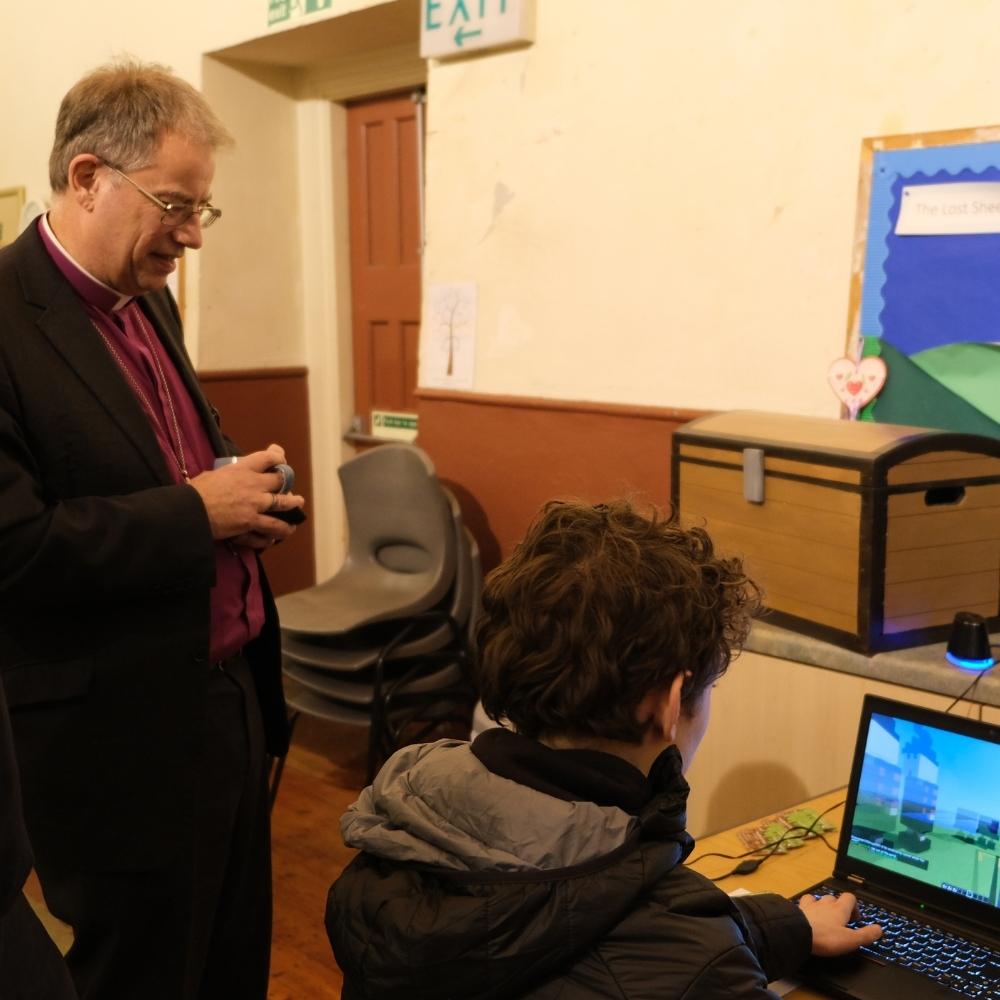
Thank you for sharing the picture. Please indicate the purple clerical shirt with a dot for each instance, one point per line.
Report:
(237, 606)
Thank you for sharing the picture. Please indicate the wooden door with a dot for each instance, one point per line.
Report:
(383, 149)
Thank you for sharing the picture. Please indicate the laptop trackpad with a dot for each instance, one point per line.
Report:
(865, 979)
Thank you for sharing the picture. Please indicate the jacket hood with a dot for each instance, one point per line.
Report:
(471, 885)
(437, 804)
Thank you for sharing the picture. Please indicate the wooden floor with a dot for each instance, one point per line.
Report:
(323, 775)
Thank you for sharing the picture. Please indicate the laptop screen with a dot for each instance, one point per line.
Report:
(927, 803)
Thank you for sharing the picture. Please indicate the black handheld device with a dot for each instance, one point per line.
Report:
(296, 515)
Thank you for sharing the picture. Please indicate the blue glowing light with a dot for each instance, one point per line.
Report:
(969, 664)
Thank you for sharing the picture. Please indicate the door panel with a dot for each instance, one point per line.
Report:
(383, 165)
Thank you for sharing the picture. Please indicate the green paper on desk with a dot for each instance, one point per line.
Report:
(805, 822)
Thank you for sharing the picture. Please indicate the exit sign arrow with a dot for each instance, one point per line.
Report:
(462, 34)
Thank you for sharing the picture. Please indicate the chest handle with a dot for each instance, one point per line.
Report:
(944, 496)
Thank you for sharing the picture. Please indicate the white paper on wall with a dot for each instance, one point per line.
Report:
(950, 209)
(450, 353)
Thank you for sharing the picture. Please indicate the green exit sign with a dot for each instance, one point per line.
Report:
(278, 10)
(284, 10)
(397, 426)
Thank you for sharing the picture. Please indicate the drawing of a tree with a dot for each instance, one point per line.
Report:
(451, 314)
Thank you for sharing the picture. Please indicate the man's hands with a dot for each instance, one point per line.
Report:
(238, 497)
(828, 916)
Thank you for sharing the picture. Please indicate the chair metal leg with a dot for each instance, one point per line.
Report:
(378, 744)
(384, 732)
(375, 741)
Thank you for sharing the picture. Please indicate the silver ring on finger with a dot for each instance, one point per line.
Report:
(273, 504)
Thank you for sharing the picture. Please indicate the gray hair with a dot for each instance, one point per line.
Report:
(121, 111)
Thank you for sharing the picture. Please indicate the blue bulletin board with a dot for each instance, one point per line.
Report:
(928, 305)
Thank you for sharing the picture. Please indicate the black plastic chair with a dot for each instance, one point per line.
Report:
(360, 648)
(401, 547)
(390, 671)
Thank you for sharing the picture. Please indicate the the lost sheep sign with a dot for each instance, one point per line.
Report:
(454, 27)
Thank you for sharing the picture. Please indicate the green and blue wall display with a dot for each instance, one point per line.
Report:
(928, 303)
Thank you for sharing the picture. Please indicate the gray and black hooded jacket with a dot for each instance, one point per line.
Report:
(505, 869)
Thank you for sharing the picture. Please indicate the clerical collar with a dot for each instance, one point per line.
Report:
(92, 291)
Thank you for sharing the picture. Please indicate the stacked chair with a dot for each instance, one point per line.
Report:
(383, 644)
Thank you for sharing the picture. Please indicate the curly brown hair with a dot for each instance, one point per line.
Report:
(598, 606)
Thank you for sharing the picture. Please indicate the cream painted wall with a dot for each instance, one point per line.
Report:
(326, 309)
(54, 49)
(247, 304)
(657, 199)
(49, 48)
(251, 268)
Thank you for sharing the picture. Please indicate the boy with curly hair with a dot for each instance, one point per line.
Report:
(545, 859)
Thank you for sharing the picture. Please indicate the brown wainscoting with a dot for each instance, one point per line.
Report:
(259, 406)
(503, 456)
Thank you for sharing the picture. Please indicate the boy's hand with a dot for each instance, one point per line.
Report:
(828, 917)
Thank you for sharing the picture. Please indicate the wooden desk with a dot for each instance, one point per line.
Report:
(785, 874)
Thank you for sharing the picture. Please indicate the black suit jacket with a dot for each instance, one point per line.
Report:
(15, 853)
(105, 572)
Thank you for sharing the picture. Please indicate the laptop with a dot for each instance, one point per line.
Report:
(920, 848)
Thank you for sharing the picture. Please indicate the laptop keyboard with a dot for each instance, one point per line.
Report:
(965, 966)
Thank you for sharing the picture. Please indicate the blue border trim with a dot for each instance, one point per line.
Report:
(887, 167)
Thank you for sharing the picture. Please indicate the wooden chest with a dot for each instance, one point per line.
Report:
(870, 536)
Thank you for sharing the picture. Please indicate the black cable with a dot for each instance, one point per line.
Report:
(752, 864)
(758, 850)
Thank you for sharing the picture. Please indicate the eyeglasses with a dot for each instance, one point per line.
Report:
(175, 216)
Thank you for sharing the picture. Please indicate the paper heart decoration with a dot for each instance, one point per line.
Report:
(856, 385)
